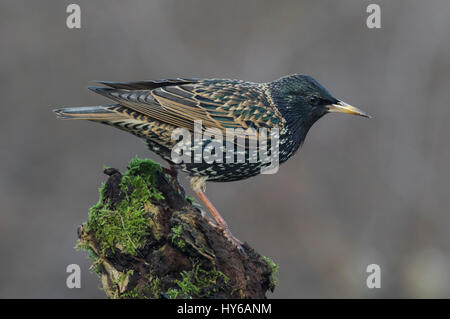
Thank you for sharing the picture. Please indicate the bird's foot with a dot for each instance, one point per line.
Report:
(236, 242)
(198, 185)
(224, 230)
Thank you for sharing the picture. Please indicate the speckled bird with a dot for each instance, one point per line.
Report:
(152, 110)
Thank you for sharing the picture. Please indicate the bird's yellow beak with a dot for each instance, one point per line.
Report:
(342, 107)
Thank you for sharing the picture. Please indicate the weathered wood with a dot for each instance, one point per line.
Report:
(148, 240)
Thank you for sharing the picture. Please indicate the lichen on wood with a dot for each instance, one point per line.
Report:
(148, 240)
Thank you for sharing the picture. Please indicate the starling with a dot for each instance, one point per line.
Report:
(153, 110)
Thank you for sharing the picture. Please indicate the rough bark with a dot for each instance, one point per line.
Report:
(157, 243)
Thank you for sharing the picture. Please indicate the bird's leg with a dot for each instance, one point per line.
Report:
(219, 219)
(198, 185)
(173, 173)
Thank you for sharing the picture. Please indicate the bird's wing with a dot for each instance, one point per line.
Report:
(147, 85)
(218, 104)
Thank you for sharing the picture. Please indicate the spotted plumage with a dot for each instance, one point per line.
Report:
(154, 110)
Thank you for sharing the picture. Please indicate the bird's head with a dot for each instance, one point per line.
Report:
(301, 97)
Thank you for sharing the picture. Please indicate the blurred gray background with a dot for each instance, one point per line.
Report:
(359, 192)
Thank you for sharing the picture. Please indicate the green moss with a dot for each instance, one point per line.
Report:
(172, 293)
(176, 237)
(132, 294)
(125, 276)
(190, 199)
(120, 283)
(90, 255)
(152, 288)
(126, 226)
(145, 169)
(101, 199)
(275, 271)
(197, 283)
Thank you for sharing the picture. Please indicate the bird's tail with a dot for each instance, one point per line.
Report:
(93, 113)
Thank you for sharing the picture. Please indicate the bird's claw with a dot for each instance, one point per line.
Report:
(236, 242)
(226, 232)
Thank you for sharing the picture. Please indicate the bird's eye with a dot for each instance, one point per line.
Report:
(314, 100)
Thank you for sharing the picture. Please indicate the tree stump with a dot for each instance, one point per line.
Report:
(148, 240)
